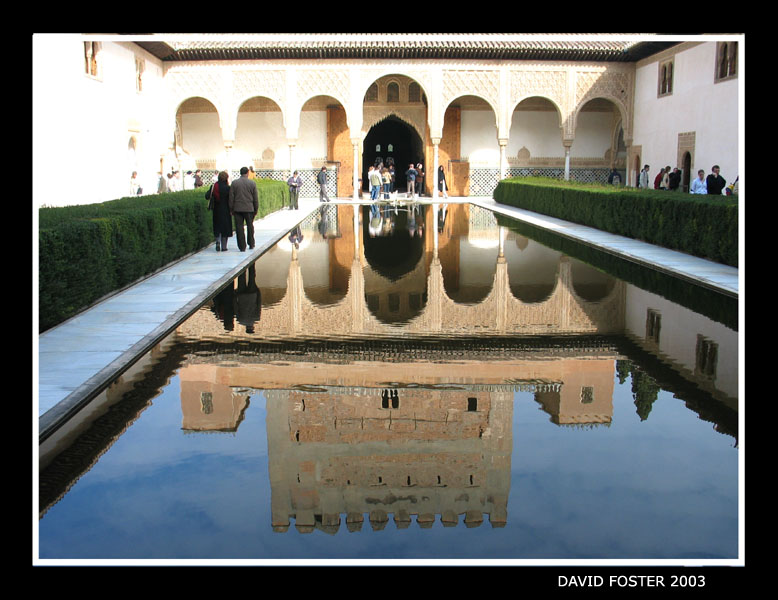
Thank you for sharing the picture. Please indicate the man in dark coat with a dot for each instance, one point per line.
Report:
(244, 205)
(715, 182)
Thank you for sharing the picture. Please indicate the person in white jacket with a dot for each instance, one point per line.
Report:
(698, 185)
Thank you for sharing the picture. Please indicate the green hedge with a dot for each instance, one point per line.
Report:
(704, 226)
(88, 251)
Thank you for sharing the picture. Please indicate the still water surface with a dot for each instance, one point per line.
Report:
(419, 384)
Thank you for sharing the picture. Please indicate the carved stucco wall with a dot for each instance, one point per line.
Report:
(501, 85)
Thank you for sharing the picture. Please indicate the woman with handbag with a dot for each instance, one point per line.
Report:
(219, 196)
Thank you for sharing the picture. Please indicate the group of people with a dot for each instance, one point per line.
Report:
(381, 180)
(238, 200)
(667, 179)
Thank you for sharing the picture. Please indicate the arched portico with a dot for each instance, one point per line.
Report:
(444, 102)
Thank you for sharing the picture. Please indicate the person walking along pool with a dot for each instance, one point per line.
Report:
(294, 183)
(219, 203)
(244, 205)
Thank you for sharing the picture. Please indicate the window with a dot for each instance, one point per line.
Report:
(372, 93)
(653, 325)
(206, 402)
(587, 394)
(706, 357)
(666, 78)
(414, 92)
(726, 61)
(91, 58)
(393, 92)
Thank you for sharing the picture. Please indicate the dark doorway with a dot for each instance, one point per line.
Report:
(686, 172)
(391, 140)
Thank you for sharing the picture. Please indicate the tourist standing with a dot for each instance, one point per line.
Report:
(391, 173)
(614, 178)
(386, 180)
(244, 205)
(698, 185)
(643, 178)
(442, 181)
(675, 179)
(410, 176)
(665, 185)
(375, 184)
(135, 189)
(321, 178)
(715, 182)
(294, 183)
(198, 179)
(219, 204)
(420, 179)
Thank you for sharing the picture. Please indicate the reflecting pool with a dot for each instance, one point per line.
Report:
(417, 382)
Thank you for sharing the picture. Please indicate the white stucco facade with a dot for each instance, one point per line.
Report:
(99, 128)
(708, 110)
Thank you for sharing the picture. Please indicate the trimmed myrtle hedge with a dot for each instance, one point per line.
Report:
(88, 251)
(704, 226)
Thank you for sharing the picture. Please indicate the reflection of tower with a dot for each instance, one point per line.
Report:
(208, 404)
(586, 398)
(390, 452)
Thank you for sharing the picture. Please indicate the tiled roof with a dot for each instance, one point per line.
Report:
(607, 47)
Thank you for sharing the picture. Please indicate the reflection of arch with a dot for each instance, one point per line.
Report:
(533, 269)
(395, 255)
(590, 284)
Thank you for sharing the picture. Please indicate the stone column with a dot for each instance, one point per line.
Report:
(292, 144)
(435, 166)
(567, 144)
(503, 164)
(355, 143)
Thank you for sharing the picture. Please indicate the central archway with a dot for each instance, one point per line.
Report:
(391, 140)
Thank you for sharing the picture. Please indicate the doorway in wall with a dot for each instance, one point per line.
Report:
(391, 140)
(686, 173)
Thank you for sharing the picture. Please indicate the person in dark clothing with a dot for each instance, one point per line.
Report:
(218, 197)
(715, 182)
(675, 179)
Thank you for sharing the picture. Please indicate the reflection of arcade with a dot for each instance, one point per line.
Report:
(422, 275)
(352, 443)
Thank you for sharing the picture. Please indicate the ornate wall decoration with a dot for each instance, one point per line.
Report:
(323, 82)
(248, 84)
(484, 84)
(613, 85)
(548, 84)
